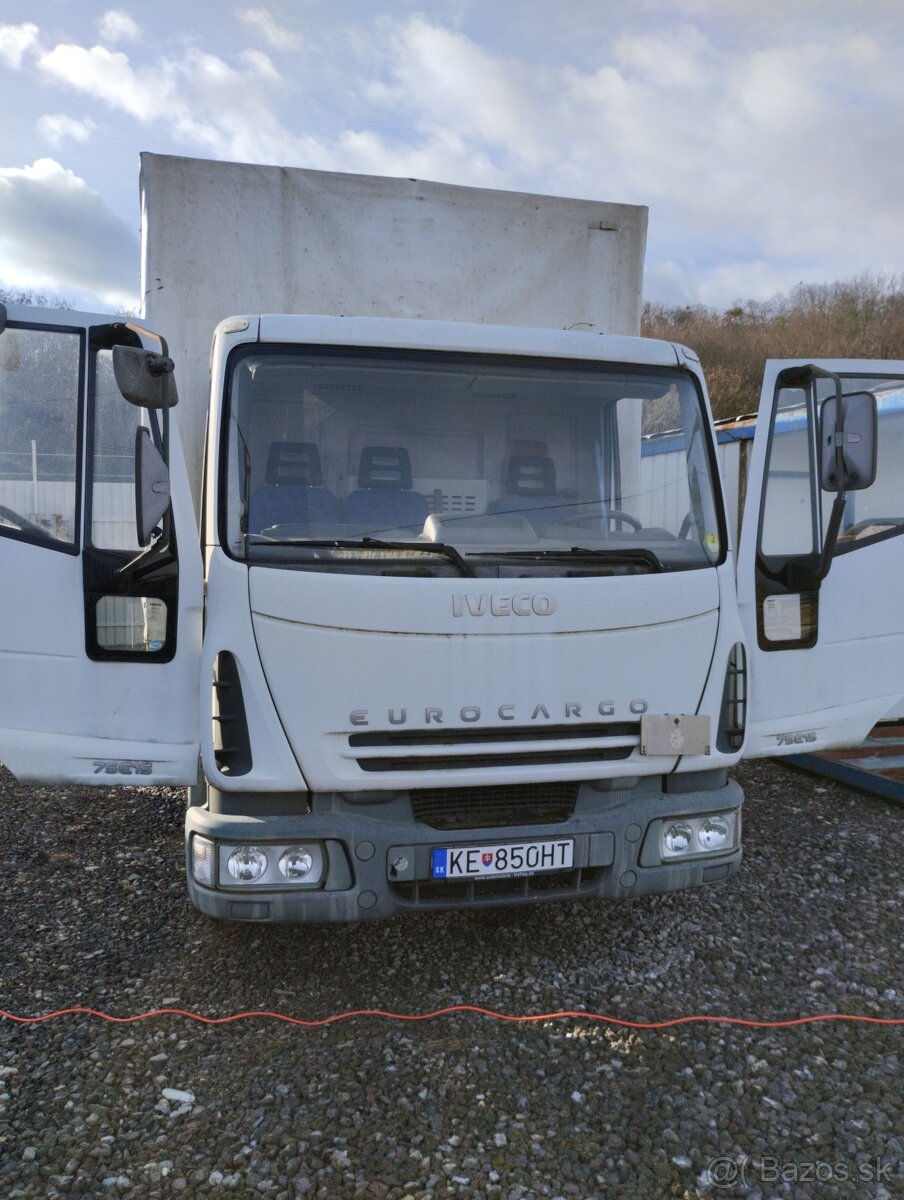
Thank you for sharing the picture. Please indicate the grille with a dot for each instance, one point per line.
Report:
(470, 761)
(466, 749)
(556, 885)
(515, 733)
(488, 807)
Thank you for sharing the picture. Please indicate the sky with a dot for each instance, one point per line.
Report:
(765, 136)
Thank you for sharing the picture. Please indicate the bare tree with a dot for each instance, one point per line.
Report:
(29, 296)
(857, 318)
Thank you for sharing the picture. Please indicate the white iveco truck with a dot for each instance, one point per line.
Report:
(474, 632)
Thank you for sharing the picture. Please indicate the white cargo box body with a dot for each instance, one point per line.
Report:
(226, 238)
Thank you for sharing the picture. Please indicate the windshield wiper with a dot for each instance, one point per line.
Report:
(627, 555)
(443, 548)
(369, 543)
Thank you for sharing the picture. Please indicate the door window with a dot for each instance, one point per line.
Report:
(125, 616)
(789, 511)
(40, 372)
(113, 461)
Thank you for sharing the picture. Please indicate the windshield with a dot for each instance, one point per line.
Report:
(430, 463)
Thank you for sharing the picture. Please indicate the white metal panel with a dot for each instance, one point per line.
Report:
(426, 606)
(63, 716)
(462, 337)
(226, 238)
(652, 639)
(830, 694)
(229, 628)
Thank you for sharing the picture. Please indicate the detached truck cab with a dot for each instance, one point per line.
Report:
(474, 631)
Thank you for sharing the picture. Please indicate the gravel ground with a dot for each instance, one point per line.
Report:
(96, 913)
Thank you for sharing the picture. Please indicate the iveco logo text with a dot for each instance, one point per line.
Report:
(572, 710)
(795, 739)
(501, 604)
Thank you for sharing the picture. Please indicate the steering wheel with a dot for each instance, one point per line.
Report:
(867, 522)
(612, 516)
(19, 522)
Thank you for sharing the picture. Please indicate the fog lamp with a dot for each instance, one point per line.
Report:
(246, 864)
(296, 862)
(714, 833)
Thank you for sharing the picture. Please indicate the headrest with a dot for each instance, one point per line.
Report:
(294, 463)
(530, 475)
(385, 467)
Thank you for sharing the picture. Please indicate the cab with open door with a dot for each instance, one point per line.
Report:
(821, 558)
(100, 566)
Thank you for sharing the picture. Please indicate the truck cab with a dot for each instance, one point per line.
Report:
(474, 629)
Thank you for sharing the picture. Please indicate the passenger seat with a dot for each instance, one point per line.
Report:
(384, 499)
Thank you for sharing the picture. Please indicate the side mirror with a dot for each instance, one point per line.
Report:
(847, 447)
(144, 378)
(152, 485)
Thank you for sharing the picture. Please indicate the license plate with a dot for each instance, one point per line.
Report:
(509, 858)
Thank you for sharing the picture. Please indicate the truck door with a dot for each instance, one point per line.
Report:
(99, 633)
(821, 559)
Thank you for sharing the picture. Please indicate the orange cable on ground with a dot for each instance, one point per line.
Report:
(79, 1010)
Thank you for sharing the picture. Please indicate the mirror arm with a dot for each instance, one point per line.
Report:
(801, 576)
(167, 537)
(804, 577)
(151, 561)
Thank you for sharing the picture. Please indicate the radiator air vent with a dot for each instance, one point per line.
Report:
(231, 742)
(733, 717)
(489, 807)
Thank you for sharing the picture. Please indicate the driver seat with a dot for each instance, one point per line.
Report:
(294, 493)
(530, 488)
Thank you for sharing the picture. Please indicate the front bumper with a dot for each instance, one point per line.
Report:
(615, 830)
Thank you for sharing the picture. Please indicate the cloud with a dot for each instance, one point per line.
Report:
(762, 157)
(274, 34)
(115, 25)
(15, 42)
(107, 75)
(55, 232)
(452, 86)
(260, 64)
(762, 164)
(204, 101)
(57, 128)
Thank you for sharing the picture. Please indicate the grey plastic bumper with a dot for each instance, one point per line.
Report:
(615, 856)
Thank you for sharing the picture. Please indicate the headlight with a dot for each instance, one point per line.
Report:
(296, 862)
(246, 864)
(270, 866)
(678, 838)
(696, 837)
